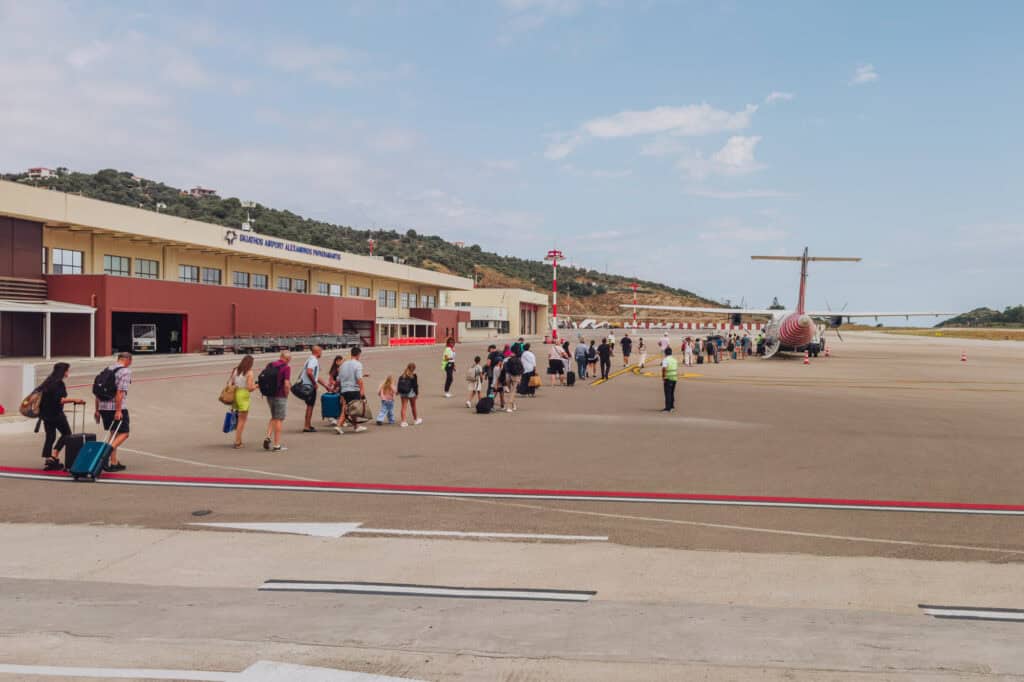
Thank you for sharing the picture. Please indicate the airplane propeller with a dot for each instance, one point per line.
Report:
(836, 321)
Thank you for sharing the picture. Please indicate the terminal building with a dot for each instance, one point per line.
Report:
(77, 273)
(501, 313)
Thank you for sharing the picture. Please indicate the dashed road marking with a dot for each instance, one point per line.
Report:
(407, 590)
(973, 613)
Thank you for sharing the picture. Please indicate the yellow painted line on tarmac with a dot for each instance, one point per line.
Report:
(636, 371)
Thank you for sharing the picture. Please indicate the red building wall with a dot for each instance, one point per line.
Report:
(447, 321)
(210, 310)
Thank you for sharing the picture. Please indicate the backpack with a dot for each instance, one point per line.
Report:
(514, 366)
(104, 386)
(485, 405)
(268, 380)
(473, 375)
(404, 385)
(30, 405)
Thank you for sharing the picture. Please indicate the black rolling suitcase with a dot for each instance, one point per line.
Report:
(570, 378)
(73, 443)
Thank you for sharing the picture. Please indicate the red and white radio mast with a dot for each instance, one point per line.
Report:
(634, 286)
(372, 242)
(554, 255)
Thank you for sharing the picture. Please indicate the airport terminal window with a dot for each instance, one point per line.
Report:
(335, 290)
(353, 291)
(408, 300)
(387, 298)
(299, 285)
(430, 302)
(188, 273)
(117, 265)
(241, 279)
(45, 269)
(284, 283)
(323, 288)
(147, 269)
(67, 262)
(211, 276)
(364, 292)
(259, 282)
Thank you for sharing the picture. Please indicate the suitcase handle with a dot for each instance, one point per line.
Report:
(113, 433)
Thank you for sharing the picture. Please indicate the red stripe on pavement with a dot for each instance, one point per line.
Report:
(601, 495)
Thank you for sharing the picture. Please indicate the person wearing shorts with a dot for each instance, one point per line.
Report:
(350, 379)
(114, 413)
(278, 403)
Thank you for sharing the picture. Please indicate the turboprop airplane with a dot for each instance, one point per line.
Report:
(790, 330)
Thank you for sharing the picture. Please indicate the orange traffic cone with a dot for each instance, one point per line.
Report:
(963, 356)
(807, 358)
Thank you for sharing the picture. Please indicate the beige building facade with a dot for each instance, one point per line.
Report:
(502, 313)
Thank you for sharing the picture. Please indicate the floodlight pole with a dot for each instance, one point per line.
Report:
(554, 255)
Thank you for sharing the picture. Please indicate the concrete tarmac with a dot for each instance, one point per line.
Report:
(759, 592)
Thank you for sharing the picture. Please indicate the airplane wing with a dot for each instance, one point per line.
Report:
(690, 309)
(838, 313)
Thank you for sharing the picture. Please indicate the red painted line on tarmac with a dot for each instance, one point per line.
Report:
(533, 493)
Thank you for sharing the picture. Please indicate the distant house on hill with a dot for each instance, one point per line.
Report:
(200, 192)
(40, 173)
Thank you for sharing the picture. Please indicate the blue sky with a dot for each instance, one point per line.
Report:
(669, 140)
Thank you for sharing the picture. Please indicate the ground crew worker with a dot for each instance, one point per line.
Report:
(669, 377)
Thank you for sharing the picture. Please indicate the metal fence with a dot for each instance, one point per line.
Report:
(264, 343)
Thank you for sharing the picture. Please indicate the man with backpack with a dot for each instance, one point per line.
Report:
(111, 391)
(275, 383)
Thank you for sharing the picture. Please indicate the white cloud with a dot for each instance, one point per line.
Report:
(85, 56)
(562, 146)
(865, 73)
(709, 193)
(685, 121)
(186, 71)
(597, 173)
(776, 96)
(328, 64)
(736, 157)
(692, 120)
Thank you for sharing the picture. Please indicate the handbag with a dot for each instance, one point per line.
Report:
(227, 394)
(230, 421)
(536, 382)
(303, 391)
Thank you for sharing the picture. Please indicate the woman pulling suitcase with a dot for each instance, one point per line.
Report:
(53, 398)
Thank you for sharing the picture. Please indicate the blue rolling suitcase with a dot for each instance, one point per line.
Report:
(330, 406)
(93, 456)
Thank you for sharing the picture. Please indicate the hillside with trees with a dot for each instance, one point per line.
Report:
(582, 292)
(1012, 316)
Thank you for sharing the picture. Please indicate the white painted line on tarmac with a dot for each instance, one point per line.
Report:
(337, 530)
(401, 589)
(117, 673)
(261, 671)
(214, 466)
(500, 536)
(973, 613)
(317, 530)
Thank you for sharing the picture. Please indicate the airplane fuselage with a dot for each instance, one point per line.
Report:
(789, 331)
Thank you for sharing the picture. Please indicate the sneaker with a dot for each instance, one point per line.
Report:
(447, 395)
(337, 430)
(279, 448)
(404, 424)
(508, 409)
(52, 464)
(380, 423)
(468, 404)
(360, 429)
(266, 443)
(114, 467)
(309, 430)
(418, 422)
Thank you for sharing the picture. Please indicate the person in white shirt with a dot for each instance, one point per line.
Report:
(529, 367)
(311, 378)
